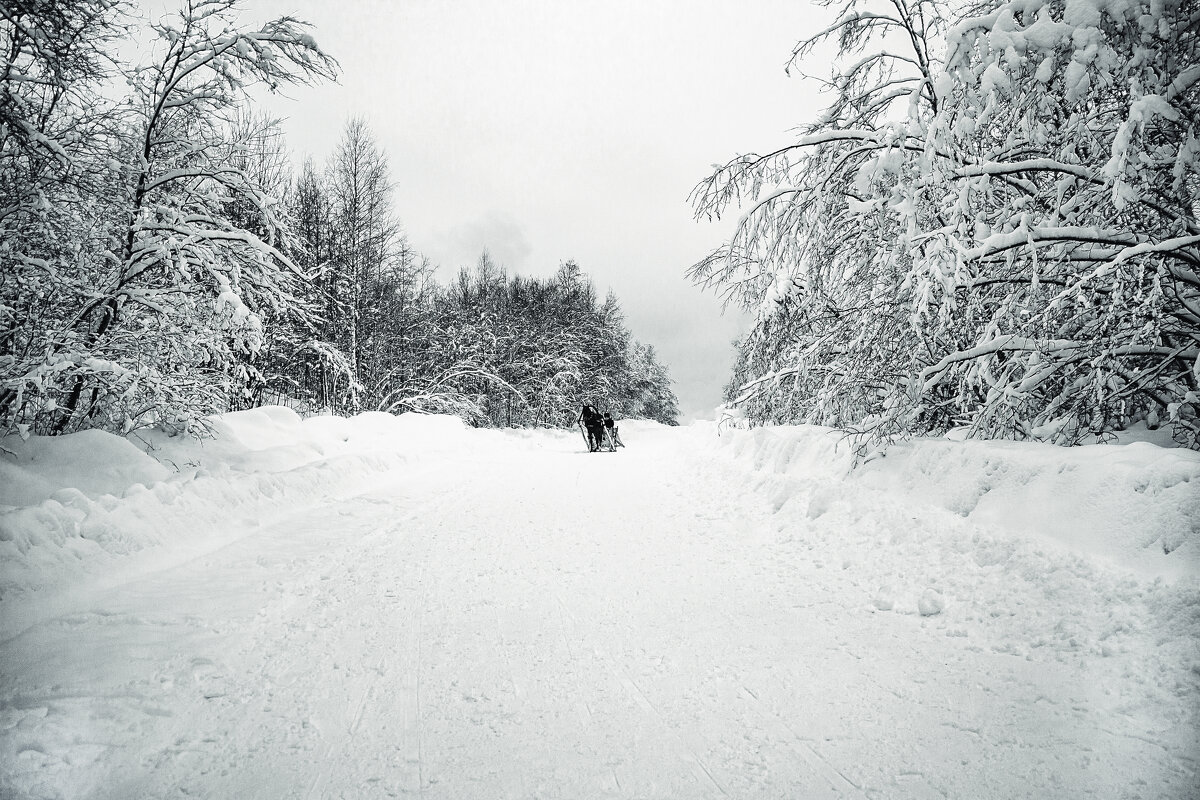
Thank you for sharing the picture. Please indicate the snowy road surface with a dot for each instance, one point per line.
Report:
(526, 620)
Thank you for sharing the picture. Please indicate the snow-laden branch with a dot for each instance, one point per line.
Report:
(1059, 349)
(1045, 188)
(1029, 165)
(1001, 242)
(1182, 83)
(1169, 246)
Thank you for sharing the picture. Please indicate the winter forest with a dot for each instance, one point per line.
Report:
(163, 260)
(298, 496)
(991, 226)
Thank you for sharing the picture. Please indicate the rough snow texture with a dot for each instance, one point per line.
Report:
(1136, 505)
(103, 501)
(380, 607)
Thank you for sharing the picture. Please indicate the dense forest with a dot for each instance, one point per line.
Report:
(992, 226)
(161, 259)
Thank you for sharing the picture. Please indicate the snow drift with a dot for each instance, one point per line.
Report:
(82, 511)
(1135, 505)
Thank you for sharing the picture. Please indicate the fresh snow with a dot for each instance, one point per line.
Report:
(382, 606)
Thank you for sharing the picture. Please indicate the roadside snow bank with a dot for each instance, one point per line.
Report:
(90, 461)
(81, 511)
(1137, 504)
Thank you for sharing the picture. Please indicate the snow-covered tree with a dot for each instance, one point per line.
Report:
(519, 351)
(650, 395)
(367, 239)
(59, 145)
(993, 224)
(191, 261)
(315, 371)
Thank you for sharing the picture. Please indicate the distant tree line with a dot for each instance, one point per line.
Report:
(159, 260)
(508, 351)
(495, 349)
(993, 225)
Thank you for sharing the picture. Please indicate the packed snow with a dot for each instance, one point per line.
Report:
(382, 606)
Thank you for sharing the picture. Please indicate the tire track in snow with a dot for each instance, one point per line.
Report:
(412, 779)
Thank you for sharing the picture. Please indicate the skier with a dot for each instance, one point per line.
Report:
(592, 422)
(612, 430)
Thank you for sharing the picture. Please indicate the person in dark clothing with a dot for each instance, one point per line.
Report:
(593, 423)
(611, 425)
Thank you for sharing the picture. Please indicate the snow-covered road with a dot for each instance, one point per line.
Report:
(526, 620)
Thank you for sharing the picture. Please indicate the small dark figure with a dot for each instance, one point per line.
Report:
(613, 430)
(593, 423)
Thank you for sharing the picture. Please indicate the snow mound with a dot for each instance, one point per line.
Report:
(258, 428)
(82, 510)
(92, 462)
(275, 439)
(1135, 505)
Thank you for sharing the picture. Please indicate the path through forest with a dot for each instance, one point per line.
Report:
(528, 620)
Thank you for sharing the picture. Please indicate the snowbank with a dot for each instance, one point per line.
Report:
(1136, 505)
(90, 461)
(79, 512)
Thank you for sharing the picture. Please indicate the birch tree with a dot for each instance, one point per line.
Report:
(185, 288)
(992, 225)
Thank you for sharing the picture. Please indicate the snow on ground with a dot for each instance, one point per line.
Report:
(387, 606)
(1137, 504)
(90, 509)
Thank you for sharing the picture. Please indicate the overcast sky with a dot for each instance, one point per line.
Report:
(545, 130)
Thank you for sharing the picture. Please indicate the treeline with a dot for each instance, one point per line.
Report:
(508, 351)
(993, 225)
(160, 260)
(494, 349)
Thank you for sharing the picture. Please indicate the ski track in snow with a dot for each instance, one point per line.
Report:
(532, 621)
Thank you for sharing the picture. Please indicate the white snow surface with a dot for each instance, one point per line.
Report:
(384, 607)
(1137, 504)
